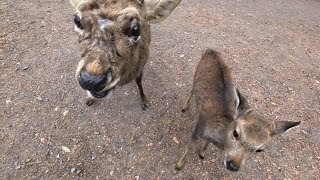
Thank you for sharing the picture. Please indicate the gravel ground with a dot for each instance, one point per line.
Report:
(47, 131)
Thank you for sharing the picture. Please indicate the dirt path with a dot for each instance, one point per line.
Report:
(272, 46)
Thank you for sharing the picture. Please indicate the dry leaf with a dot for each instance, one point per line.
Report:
(66, 149)
(175, 140)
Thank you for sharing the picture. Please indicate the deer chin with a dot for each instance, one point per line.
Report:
(102, 94)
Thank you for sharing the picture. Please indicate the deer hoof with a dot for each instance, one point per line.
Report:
(89, 102)
(179, 166)
(145, 105)
(201, 156)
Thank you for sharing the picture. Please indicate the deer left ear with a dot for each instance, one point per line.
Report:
(282, 126)
(75, 3)
(160, 9)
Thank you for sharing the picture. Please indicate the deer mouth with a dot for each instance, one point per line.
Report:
(101, 94)
(107, 90)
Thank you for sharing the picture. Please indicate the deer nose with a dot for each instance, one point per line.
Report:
(231, 165)
(92, 82)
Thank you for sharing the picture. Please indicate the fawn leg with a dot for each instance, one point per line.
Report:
(187, 102)
(203, 149)
(180, 164)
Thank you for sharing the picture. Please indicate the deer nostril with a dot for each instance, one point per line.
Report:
(92, 83)
(232, 166)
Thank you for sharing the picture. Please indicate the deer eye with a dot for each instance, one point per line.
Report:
(236, 134)
(135, 30)
(259, 150)
(77, 21)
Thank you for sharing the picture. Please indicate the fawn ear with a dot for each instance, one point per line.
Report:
(75, 3)
(242, 104)
(282, 126)
(158, 10)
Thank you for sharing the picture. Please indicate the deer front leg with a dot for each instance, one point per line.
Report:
(144, 102)
(194, 138)
(182, 161)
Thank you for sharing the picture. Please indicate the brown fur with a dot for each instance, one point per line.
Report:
(105, 39)
(225, 117)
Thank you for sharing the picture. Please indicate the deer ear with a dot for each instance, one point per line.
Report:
(242, 104)
(75, 3)
(282, 126)
(160, 9)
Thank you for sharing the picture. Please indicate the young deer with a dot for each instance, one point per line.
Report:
(114, 38)
(225, 118)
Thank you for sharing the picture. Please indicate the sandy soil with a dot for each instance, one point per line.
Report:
(272, 46)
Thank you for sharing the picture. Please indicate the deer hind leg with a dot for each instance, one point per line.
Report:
(203, 149)
(187, 102)
(144, 101)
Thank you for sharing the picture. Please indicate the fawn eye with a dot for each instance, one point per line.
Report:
(259, 150)
(236, 134)
(77, 21)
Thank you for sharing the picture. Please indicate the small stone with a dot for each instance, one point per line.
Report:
(158, 136)
(101, 151)
(28, 160)
(39, 98)
(93, 157)
(279, 169)
(96, 133)
(65, 112)
(73, 170)
(25, 68)
(182, 55)
(78, 171)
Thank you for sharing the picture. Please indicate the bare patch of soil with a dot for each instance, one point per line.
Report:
(47, 131)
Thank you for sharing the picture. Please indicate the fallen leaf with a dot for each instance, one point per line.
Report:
(175, 140)
(66, 149)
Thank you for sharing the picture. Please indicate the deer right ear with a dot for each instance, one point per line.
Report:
(160, 9)
(75, 3)
(281, 126)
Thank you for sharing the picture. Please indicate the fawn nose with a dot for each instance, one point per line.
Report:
(231, 165)
(92, 82)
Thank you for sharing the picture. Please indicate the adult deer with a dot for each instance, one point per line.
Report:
(114, 38)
